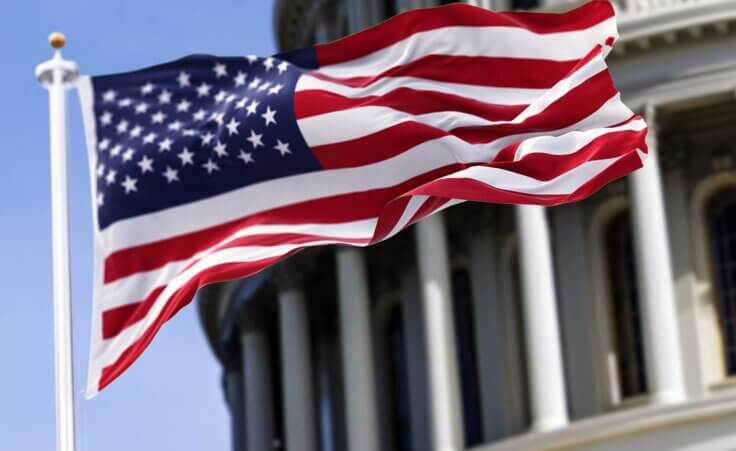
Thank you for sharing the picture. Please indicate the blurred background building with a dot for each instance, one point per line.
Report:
(606, 324)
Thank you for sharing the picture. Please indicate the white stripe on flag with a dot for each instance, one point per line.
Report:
(478, 41)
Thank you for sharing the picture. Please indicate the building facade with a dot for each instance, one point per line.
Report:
(605, 324)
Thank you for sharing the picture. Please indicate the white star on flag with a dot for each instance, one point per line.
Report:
(211, 166)
(186, 157)
(183, 106)
(171, 174)
(165, 145)
(109, 95)
(203, 90)
(220, 149)
(246, 157)
(149, 138)
(269, 116)
(232, 127)
(252, 108)
(220, 70)
(129, 184)
(183, 79)
(164, 97)
(147, 88)
(240, 79)
(255, 139)
(146, 164)
(283, 148)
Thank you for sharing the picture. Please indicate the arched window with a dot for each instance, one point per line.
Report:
(467, 355)
(721, 220)
(399, 382)
(517, 407)
(624, 306)
(524, 4)
(522, 416)
(389, 8)
(328, 381)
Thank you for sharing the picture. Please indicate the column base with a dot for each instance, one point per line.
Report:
(668, 397)
(549, 424)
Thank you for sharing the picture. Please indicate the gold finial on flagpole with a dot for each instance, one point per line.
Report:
(57, 40)
(45, 70)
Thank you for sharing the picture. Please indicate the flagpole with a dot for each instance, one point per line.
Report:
(57, 75)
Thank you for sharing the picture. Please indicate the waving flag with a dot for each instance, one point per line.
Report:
(210, 168)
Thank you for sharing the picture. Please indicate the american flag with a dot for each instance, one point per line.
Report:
(208, 169)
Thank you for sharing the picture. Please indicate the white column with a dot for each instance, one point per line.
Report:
(659, 317)
(357, 350)
(545, 370)
(444, 385)
(259, 418)
(487, 4)
(296, 370)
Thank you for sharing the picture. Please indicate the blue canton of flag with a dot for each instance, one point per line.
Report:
(194, 128)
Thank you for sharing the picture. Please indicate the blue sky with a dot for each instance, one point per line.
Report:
(171, 398)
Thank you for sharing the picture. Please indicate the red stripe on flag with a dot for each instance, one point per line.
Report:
(543, 167)
(404, 25)
(448, 188)
(377, 146)
(476, 191)
(343, 208)
(413, 101)
(117, 319)
(577, 104)
(471, 70)
(429, 206)
(179, 299)
(280, 239)
(390, 215)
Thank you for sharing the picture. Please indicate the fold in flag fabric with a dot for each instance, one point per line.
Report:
(209, 169)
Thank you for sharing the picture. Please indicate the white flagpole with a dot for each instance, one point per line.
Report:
(57, 75)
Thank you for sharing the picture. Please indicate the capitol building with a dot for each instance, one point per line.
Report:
(607, 324)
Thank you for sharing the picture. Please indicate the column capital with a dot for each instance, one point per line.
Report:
(651, 117)
(650, 113)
